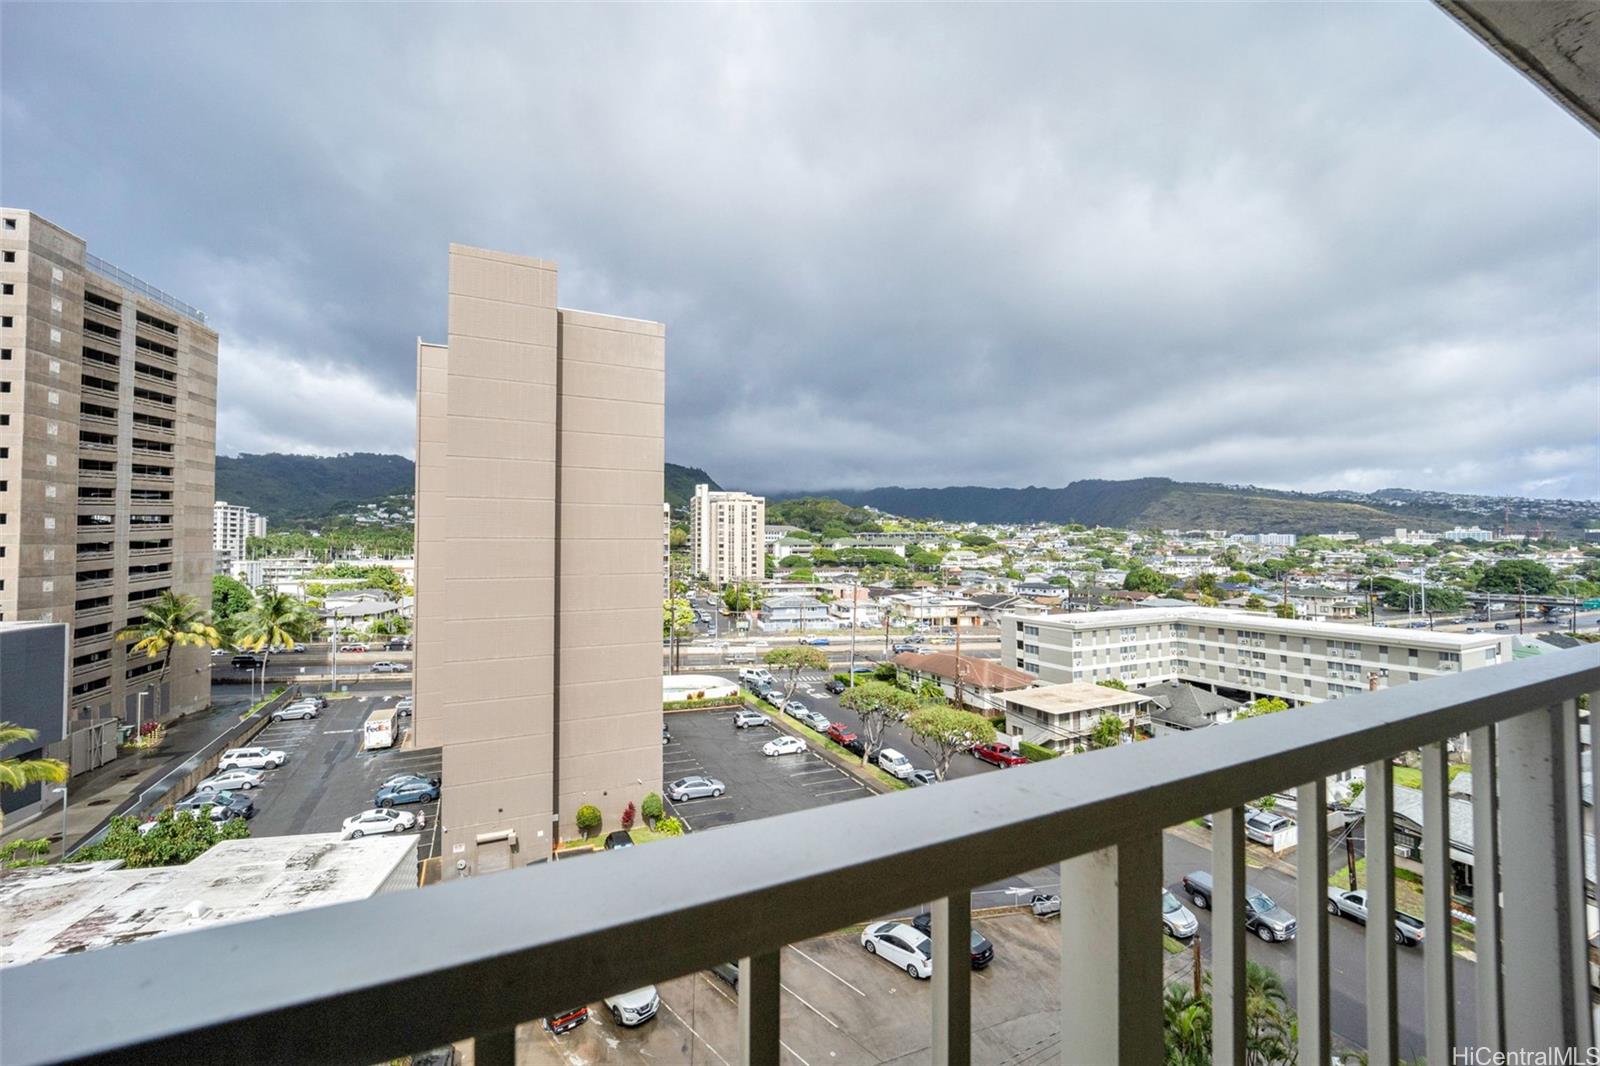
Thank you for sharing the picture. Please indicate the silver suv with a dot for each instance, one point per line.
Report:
(746, 718)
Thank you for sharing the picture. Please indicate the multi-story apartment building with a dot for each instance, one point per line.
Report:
(231, 526)
(1241, 653)
(538, 609)
(108, 399)
(727, 535)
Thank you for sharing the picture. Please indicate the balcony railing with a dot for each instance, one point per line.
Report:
(480, 956)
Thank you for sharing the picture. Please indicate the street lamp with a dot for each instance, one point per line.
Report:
(62, 792)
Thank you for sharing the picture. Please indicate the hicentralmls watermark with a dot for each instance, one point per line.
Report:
(1550, 1056)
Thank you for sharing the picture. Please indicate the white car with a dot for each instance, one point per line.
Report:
(387, 667)
(895, 763)
(901, 946)
(303, 709)
(228, 780)
(1178, 920)
(252, 759)
(634, 1008)
(756, 644)
(378, 820)
(784, 746)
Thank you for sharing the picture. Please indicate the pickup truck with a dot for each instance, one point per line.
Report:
(1045, 906)
(1408, 928)
(999, 755)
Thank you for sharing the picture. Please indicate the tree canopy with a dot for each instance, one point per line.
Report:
(176, 839)
(1514, 575)
(944, 732)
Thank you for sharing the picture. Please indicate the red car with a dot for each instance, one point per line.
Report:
(840, 733)
(998, 755)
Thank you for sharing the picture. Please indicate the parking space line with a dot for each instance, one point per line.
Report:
(808, 1006)
(805, 773)
(715, 987)
(697, 1036)
(841, 791)
(827, 971)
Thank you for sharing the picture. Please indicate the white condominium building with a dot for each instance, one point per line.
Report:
(727, 535)
(1241, 653)
(231, 526)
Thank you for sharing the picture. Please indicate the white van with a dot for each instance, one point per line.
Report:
(896, 764)
(755, 673)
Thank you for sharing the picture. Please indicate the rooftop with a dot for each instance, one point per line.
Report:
(1133, 616)
(1070, 697)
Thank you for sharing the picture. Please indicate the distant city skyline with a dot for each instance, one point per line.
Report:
(1323, 271)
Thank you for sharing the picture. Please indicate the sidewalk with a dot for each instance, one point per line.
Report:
(115, 788)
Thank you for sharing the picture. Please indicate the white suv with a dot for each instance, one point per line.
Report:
(896, 764)
(252, 759)
(634, 1008)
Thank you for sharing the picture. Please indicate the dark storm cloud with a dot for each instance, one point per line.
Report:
(1305, 247)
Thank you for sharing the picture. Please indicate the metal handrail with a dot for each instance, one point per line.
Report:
(480, 956)
(143, 288)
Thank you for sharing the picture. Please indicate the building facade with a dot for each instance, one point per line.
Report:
(538, 607)
(1239, 652)
(231, 526)
(108, 402)
(727, 535)
(1063, 717)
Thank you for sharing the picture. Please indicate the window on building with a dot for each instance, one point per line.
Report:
(11, 257)
(11, 223)
(5, 353)
(7, 289)
(5, 320)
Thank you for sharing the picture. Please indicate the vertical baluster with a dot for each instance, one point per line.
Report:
(1486, 891)
(1383, 1029)
(495, 1049)
(1311, 949)
(1535, 856)
(1438, 942)
(759, 981)
(1227, 938)
(952, 981)
(1578, 928)
(1111, 955)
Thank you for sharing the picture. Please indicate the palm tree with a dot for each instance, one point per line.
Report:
(172, 621)
(275, 619)
(20, 773)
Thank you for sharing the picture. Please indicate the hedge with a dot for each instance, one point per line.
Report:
(1034, 752)
(694, 705)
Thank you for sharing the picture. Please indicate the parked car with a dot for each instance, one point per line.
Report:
(815, 719)
(294, 712)
(840, 733)
(1501, 627)
(773, 696)
(695, 787)
(320, 701)
(1179, 921)
(835, 687)
(378, 820)
(1045, 905)
(400, 779)
(618, 839)
(231, 780)
(414, 791)
(1408, 928)
(246, 662)
(634, 1008)
(398, 645)
(728, 971)
(756, 644)
(982, 949)
(666, 735)
(898, 648)
(816, 642)
(404, 707)
(998, 754)
(900, 945)
(784, 745)
(745, 718)
(857, 747)
(895, 763)
(223, 805)
(1262, 915)
(1261, 825)
(252, 759)
(571, 1019)
(794, 708)
(919, 778)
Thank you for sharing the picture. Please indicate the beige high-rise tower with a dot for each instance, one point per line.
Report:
(538, 628)
(108, 426)
(727, 535)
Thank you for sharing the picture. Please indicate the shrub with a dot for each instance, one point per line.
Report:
(651, 808)
(628, 814)
(588, 819)
(1034, 752)
(670, 827)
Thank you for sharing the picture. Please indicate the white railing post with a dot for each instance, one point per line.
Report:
(1383, 1025)
(1111, 955)
(1571, 801)
(1491, 1015)
(1437, 882)
(1540, 914)
(1311, 948)
(952, 981)
(759, 981)
(1227, 938)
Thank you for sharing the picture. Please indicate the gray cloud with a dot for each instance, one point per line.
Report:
(1307, 247)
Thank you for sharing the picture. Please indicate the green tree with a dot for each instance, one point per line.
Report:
(652, 808)
(1144, 579)
(943, 732)
(742, 597)
(976, 540)
(1112, 682)
(1061, 581)
(1284, 610)
(20, 773)
(875, 703)
(1107, 732)
(172, 621)
(1264, 705)
(677, 619)
(229, 597)
(588, 819)
(277, 619)
(790, 661)
(921, 559)
(1518, 575)
(678, 539)
(789, 562)
(669, 827)
(930, 691)
(1255, 603)
(1270, 1023)
(176, 839)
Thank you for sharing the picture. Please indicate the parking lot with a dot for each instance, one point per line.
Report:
(758, 786)
(327, 777)
(840, 1005)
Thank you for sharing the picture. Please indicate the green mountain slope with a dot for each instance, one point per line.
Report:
(680, 482)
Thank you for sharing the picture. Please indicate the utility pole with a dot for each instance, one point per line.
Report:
(1197, 979)
(854, 596)
(1350, 858)
(960, 695)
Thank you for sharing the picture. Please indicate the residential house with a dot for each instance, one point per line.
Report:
(1061, 717)
(982, 681)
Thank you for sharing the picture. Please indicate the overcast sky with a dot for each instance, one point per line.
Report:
(1304, 247)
